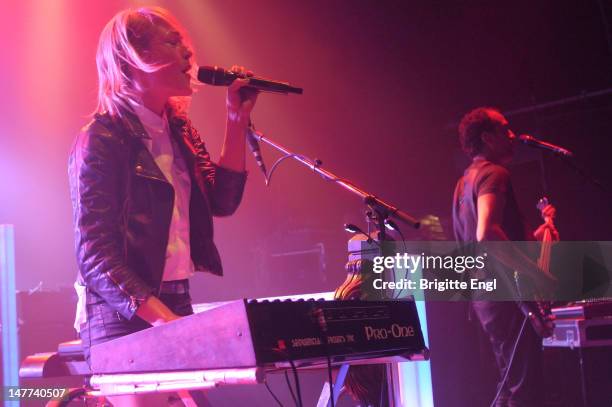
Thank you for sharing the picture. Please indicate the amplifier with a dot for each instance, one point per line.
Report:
(580, 333)
(596, 308)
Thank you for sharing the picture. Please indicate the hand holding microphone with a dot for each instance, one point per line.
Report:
(243, 88)
(217, 76)
(241, 98)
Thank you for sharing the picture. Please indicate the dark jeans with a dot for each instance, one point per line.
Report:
(104, 323)
(501, 321)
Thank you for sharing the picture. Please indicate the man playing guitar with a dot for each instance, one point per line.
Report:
(485, 209)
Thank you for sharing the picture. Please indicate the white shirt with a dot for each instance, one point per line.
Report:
(168, 158)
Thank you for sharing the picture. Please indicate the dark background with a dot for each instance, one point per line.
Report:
(385, 85)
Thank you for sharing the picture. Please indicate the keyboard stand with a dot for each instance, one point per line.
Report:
(324, 398)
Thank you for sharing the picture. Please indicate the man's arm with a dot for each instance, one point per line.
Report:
(490, 215)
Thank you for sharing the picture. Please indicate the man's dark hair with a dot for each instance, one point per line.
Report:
(473, 125)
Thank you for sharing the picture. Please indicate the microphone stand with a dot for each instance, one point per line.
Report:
(383, 209)
(379, 213)
(588, 176)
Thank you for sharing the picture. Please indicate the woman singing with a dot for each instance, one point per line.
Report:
(143, 187)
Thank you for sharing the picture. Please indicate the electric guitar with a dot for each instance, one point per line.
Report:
(539, 311)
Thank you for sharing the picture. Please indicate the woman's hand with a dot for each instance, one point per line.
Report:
(240, 98)
(155, 312)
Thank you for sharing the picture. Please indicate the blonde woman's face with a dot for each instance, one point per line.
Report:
(166, 47)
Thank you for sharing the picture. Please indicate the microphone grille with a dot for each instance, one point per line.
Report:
(214, 75)
(527, 139)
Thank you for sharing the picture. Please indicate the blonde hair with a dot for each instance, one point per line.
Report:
(121, 42)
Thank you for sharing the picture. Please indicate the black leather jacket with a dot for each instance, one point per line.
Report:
(122, 207)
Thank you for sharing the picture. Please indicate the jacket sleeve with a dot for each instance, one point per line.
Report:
(96, 170)
(223, 186)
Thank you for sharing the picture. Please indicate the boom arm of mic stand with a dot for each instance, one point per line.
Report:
(392, 211)
(368, 198)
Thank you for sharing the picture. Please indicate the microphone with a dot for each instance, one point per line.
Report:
(251, 139)
(217, 76)
(534, 142)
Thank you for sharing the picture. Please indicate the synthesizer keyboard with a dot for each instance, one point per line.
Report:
(268, 333)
